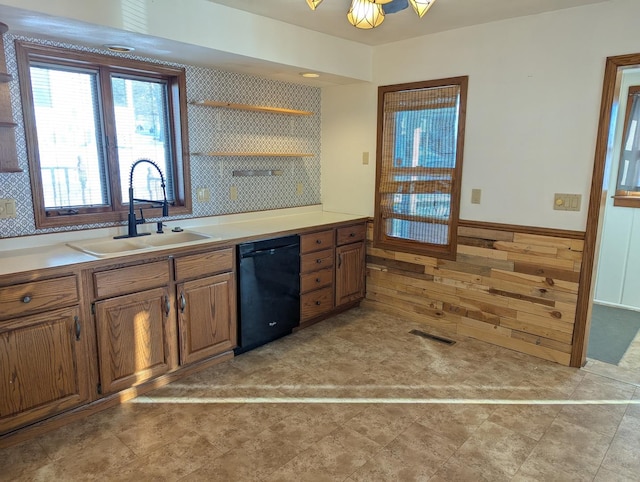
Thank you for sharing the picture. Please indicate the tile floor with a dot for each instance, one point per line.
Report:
(356, 398)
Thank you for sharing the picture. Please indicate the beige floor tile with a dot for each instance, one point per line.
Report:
(95, 459)
(605, 475)
(492, 452)
(382, 423)
(334, 457)
(416, 454)
(565, 451)
(530, 420)
(15, 461)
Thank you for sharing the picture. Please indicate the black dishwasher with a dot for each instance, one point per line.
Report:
(268, 290)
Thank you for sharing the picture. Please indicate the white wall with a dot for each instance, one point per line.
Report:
(534, 96)
(618, 276)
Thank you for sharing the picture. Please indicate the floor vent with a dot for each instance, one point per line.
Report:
(439, 339)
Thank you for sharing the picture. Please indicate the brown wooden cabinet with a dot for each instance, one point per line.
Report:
(332, 271)
(133, 338)
(350, 264)
(44, 349)
(316, 274)
(135, 325)
(206, 305)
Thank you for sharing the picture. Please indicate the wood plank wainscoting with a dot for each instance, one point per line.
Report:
(512, 286)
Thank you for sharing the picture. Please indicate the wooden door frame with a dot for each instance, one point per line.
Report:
(613, 67)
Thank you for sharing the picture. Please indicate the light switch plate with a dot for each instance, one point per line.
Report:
(475, 196)
(233, 193)
(567, 202)
(7, 208)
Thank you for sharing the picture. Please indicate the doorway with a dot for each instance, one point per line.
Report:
(612, 261)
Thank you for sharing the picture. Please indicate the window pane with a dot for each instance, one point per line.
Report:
(69, 140)
(629, 169)
(142, 131)
(418, 181)
(424, 155)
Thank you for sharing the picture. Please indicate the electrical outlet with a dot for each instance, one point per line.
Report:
(299, 188)
(203, 194)
(476, 194)
(7, 208)
(365, 158)
(233, 193)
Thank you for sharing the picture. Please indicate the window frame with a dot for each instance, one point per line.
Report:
(621, 197)
(106, 66)
(381, 240)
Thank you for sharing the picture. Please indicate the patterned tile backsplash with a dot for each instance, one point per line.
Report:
(210, 129)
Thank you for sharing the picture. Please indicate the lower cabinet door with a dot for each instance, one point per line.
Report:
(133, 344)
(43, 367)
(206, 317)
(350, 273)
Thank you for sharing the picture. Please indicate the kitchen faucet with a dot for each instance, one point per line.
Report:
(132, 231)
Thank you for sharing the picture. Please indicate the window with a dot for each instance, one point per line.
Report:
(628, 187)
(419, 155)
(88, 118)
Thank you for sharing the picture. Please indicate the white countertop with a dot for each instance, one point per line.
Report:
(48, 251)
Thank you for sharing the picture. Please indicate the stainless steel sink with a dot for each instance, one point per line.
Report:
(108, 246)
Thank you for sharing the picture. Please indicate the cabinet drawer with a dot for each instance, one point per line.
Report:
(36, 296)
(204, 264)
(316, 241)
(130, 279)
(316, 261)
(350, 234)
(317, 279)
(316, 303)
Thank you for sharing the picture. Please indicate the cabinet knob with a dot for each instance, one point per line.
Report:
(352, 235)
(318, 260)
(318, 241)
(317, 280)
(26, 299)
(318, 303)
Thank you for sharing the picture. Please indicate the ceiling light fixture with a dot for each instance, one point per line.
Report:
(365, 14)
(310, 75)
(368, 14)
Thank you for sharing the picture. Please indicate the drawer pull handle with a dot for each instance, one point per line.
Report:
(352, 235)
(318, 241)
(78, 327)
(318, 260)
(26, 299)
(318, 303)
(317, 280)
(273, 323)
(167, 305)
(183, 303)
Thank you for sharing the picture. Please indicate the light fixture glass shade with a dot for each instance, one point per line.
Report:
(381, 2)
(313, 3)
(420, 6)
(365, 14)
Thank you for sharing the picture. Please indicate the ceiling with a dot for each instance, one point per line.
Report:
(329, 18)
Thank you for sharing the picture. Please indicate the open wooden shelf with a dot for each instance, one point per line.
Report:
(256, 108)
(252, 154)
(8, 152)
